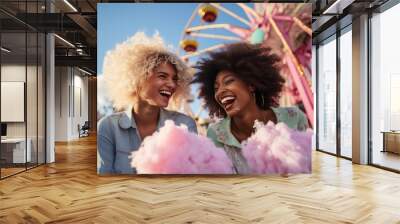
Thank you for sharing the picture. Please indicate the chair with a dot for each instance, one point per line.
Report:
(84, 130)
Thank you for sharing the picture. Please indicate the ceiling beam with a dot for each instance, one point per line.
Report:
(84, 24)
(81, 61)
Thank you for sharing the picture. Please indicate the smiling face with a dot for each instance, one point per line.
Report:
(232, 94)
(161, 83)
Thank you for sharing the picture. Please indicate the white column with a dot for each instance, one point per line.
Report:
(360, 90)
(50, 100)
(50, 92)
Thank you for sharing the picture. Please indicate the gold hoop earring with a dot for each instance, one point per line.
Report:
(262, 99)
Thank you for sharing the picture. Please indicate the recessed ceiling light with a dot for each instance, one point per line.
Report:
(337, 7)
(84, 71)
(5, 50)
(70, 5)
(64, 40)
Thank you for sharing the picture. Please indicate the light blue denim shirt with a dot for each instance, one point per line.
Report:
(220, 133)
(118, 137)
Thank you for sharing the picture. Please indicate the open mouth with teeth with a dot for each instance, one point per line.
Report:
(227, 101)
(166, 93)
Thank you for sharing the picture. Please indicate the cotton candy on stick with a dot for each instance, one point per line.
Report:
(175, 150)
(277, 149)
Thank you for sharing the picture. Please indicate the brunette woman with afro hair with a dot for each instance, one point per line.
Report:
(242, 84)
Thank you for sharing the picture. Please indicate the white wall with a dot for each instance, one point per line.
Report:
(33, 127)
(71, 93)
(12, 73)
(61, 103)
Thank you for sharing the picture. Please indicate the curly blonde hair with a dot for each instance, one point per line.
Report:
(128, 65)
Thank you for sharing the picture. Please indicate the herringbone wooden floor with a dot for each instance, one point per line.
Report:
(70, 191)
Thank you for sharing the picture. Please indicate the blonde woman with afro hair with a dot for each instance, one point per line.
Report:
(143, 78)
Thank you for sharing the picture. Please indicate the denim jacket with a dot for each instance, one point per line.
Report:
(118, 137)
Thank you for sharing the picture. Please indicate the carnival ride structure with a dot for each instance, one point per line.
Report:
(283, 27)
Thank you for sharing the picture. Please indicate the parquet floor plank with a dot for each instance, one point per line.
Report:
(70, 191)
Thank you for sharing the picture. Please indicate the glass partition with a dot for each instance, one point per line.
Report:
(327, 95)
(385, 89)
(346, 93)
(22, 90)
(14, 152)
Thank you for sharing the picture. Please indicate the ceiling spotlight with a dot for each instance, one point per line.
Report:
(337, 7)
(5, 50)
(84, 71)
(70, 5)
(64, 40)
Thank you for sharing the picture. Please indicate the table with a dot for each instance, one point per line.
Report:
(13, 150)
(391, 141)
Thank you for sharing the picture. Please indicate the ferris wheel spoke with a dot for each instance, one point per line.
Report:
(282, 18)
(248, 14)
(227, 11)
(241, 32)
(215, 36)
(191, 19)
(205, 27)
(285, 44)
(197, 53)
(298, 7)
(250, 11)
(296, 21)
(302, 26)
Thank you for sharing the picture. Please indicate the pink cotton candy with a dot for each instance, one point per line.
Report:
(175, 150)
(277, 149)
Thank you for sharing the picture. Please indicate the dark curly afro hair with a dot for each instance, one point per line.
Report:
(253, 64)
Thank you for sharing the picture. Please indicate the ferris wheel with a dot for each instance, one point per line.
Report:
(283, 27)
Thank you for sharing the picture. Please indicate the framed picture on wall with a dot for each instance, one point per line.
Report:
(12, 101)
(182, 93)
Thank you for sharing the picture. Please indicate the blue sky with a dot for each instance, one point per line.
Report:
(118, 21)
